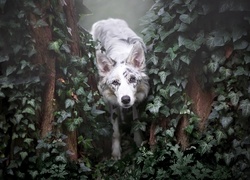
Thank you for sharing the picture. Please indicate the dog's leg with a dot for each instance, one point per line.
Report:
(116, 147)
(137, 133)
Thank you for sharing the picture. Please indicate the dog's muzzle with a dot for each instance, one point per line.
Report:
(126, 101)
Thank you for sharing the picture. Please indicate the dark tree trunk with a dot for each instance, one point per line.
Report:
(71, 17)
(43, 36)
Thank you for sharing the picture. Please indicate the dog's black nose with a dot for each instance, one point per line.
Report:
(125, 99)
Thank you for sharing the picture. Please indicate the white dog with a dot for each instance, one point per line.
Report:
(121, 66)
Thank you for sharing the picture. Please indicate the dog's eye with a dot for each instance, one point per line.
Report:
(115, 83)
(132, 79)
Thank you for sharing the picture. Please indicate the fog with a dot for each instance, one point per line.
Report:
(129, 10)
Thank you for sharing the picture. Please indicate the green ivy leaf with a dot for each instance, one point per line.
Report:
(163, 76)
(245, 107)
(96, 112)
(4, 58)
(204, 147)
(29, 110)
(80, 91)
(240, 44)
(240, 71)
(40, 23)
(69, 103)
(160, 47)
(154, 59)
(170, 132)
(55, 46)
(187, 18)
(215, 39)
(225, 72)
(28, 141)
(238, 32)
(171, 53)
(186, 59)
(228, 157)
(10, 70)
(32, 126)
(166, 17)
(173, 90)
(189, 44)
(183, 27)
(226, 121)
(155, 106)
(23, 155)
(234, 97)
(213, 66)
(220, 135)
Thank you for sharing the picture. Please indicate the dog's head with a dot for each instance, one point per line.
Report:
(121, 83)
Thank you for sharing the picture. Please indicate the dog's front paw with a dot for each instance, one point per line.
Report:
(116, 150)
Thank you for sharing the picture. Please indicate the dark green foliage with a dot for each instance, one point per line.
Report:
(23, 154)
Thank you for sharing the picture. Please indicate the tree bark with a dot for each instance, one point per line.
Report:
(202, 98)
(43, 36)
(69, 10)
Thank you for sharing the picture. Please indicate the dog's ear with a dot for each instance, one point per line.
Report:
(104, 64)
(137, 57)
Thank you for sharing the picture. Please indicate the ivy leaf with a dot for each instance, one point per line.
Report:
(189, 44)
(28, 140)
(80, 91)
(173, 90)
(205, 147)
(226, 121)
(55, 46)
(32, 126)
(40, 23)
(23, 155)
(225, 72)
(240, 44)
(10, 70)
(139, 126)
(96, 112)
(155, 106)
(186, 59)
(228, 157)
(220, 135)
(160, 48)
(29, 110)
(171, 53)
(69, 103)
(170, 132)
(215, 39)
(245, 107)
(240, 71)
(163, 76)
(213, 66)
(238, 32)
(166, 17)
(183, 27)
(4, 58)
(187, 18)
(234, 97)
(154, 59)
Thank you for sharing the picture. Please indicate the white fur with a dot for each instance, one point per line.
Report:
(121, 67)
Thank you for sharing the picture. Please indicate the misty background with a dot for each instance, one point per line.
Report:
(129, 10)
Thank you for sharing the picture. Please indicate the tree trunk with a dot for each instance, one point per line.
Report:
(43, 36)
(69, 9)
